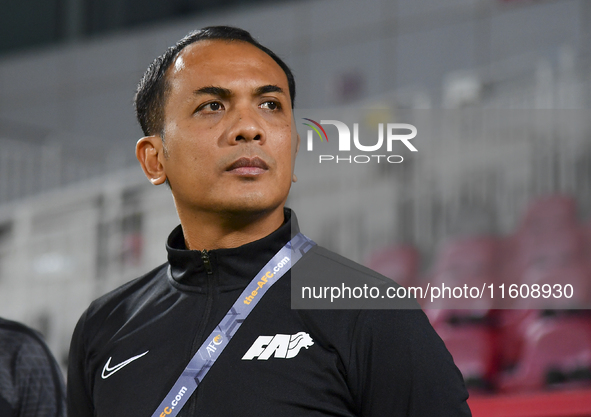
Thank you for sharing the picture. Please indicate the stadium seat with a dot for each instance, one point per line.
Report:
(556, 353)
(512, 326)
(474, 349)
(471, 261)
(557, 260)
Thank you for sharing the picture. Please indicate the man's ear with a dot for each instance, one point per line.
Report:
(149, 151)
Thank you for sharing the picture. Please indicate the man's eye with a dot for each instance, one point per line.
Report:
(213, 106)
(270, 105)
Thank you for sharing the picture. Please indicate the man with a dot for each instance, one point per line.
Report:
(31, 383)
(217, 113)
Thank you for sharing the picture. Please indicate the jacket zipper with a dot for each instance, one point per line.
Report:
(206, 261)
(192, 405)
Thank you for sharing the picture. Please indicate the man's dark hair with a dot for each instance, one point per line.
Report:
(151, 93)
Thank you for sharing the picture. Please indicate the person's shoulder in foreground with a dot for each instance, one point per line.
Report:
(31, 384)
(216, 110)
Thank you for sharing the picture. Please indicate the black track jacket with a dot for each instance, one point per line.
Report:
(130, 346)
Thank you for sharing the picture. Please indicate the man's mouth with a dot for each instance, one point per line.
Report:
(248, 166)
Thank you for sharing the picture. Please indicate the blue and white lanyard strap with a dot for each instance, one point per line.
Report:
(217, 341)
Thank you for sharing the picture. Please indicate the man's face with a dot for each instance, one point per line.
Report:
(229, 140)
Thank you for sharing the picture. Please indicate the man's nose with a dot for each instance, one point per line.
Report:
(246, 126)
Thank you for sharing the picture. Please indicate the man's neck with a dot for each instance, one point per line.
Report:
(207, 231)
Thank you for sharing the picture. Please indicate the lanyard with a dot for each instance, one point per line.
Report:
(217, 341)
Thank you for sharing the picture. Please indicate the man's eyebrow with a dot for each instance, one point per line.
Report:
(268, 89)
(214, 91)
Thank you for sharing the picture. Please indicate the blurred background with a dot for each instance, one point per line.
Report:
(499, 191)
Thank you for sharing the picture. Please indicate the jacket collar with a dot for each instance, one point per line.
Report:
(233, 267)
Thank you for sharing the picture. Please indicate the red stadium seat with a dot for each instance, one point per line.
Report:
(474, 349)
(566, 247)
(557, 260)
(556, 352)
(565, 287)
(472, 261)
(512, 325)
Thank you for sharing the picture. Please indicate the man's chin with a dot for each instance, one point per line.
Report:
(255, 200)
(249, 208)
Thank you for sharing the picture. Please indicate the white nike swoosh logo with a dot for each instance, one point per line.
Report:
(107, 372)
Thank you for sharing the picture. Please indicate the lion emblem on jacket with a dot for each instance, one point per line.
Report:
(298, 341)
